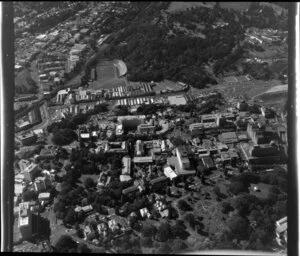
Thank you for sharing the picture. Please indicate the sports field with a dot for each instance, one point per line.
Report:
(107, 76)
(181, 6)
(239, 6)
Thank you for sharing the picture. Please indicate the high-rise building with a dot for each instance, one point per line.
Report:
(25, 220)
(182, 155)
(139, 148)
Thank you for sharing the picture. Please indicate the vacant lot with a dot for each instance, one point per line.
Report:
(107, 76)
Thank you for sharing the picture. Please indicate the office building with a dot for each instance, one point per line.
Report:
(146, 128)
(182, 156)
(139, 148)
(31, 171)
(126, 165)
(25, 220)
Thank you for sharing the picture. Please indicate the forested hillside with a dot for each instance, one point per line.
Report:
(192, 46)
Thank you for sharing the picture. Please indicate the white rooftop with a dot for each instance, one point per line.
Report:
(170, 173)
(177, 100)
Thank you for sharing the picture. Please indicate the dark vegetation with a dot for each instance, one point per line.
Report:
(24, 84)
(188, 54)
(72, 122)
(254, 218)
(64, 136)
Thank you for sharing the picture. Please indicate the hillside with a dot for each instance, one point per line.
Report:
(24, 84)
(183, 41)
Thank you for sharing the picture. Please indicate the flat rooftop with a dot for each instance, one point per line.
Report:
(177, 100)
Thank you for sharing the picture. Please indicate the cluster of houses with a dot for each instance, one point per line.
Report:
(265, 36)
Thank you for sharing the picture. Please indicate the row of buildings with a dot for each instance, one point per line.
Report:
(32, 118)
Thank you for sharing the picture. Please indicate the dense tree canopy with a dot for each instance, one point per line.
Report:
(65, 244)
(64, 136)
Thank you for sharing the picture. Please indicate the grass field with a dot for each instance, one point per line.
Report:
(264, 190)
(107, 76)
(239, 6)
(181, 6)
(166, 85)
(251, 88)
(274, 97)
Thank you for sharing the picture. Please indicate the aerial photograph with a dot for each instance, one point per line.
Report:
(150, 127)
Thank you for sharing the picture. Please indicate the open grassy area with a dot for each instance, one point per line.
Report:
(181, 6)
(270, 52)
(107, 76)
(274, 97)
(166, 85)
(263, 192)
(250, 88)
(240, 6)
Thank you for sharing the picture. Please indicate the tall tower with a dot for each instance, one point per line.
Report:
(25, 220)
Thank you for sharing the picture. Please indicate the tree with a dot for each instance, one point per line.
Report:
(178, 245)
(146, 242)
(76, 226)
(64, 136)
(82, 248)
(177, 141)
(164, 249)
(184, 206)
(29, 196)
(70, 218)
(91, 236)
(164, 232)
(148, 230)
(237, 187)
(79, 119)
(239, 227)
(80, 233)
(190, 218)
(173, 213)
(226, 207)
(121, 111)
(65, 244)
(89, 183)
(178, 230)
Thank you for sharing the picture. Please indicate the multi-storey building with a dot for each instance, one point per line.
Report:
(182, 155)
(31, 171)
(25, 220)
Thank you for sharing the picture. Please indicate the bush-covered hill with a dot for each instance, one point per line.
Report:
(192, 46)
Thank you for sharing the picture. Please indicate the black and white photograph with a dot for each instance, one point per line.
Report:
(150, 127)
